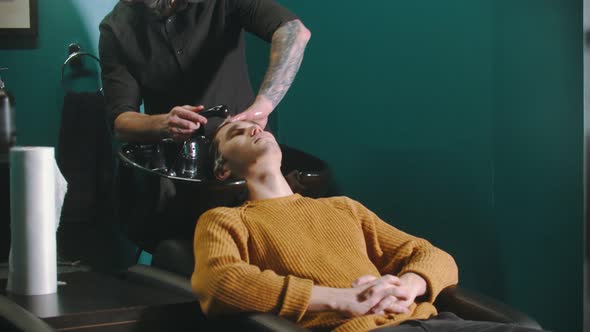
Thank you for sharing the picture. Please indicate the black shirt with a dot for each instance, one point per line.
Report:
(195, 57)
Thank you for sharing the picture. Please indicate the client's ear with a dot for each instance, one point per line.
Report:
(223, 173)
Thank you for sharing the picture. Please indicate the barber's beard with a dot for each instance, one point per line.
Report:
(164, 8)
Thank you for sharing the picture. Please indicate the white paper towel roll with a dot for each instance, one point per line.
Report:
(34, 203)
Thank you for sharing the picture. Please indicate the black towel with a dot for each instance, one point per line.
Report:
(85, 158)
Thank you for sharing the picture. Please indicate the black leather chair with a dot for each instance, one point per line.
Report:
(173, 261)
(172, 266)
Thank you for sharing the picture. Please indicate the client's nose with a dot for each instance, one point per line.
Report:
(255, 130)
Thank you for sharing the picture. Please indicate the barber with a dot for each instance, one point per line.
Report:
(180, 56)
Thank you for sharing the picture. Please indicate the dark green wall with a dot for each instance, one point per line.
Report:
(34, 77)
(538, 117)
(35, 71)
(459, 121)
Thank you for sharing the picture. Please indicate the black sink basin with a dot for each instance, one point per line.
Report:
(156, 205)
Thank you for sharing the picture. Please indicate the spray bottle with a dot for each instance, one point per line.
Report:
(7, 121)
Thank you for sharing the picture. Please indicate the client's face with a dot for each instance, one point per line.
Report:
(242, 143)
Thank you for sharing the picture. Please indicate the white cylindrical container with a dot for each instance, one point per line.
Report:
(33, 262)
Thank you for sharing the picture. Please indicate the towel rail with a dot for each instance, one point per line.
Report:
(74, 59)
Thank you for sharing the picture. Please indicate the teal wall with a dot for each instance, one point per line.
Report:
(459, 121)
(538, 128)
(34, 74)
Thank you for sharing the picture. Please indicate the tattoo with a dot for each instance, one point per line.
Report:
(286, 54)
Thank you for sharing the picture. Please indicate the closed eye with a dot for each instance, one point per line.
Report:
(238, 132)
(235, 131)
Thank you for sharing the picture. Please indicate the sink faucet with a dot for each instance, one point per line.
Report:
(193, 155)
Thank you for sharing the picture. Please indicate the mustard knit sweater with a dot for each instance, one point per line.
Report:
(266, 255)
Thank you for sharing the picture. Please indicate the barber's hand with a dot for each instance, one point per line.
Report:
(182, 121)
(397, 303)
(368, 293)
(258, 112)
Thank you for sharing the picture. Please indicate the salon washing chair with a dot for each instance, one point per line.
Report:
(186, 198)
(164, 190)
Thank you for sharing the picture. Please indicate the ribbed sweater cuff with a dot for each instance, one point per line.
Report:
(296, 300)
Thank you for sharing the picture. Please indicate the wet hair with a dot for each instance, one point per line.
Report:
(216, 159)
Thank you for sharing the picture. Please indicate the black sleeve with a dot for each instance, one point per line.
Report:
(121, 90)
(262, 17)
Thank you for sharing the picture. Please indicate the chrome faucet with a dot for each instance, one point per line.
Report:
(194, 152)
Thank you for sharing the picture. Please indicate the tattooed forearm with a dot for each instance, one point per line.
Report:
(286, 53)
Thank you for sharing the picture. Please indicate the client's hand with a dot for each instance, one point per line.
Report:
(370, 292)
(407, 287)
(369, 295)
(182, 121)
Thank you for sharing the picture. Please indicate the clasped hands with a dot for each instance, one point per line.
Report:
(387, 294)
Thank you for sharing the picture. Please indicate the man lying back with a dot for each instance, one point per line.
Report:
(326, 264)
